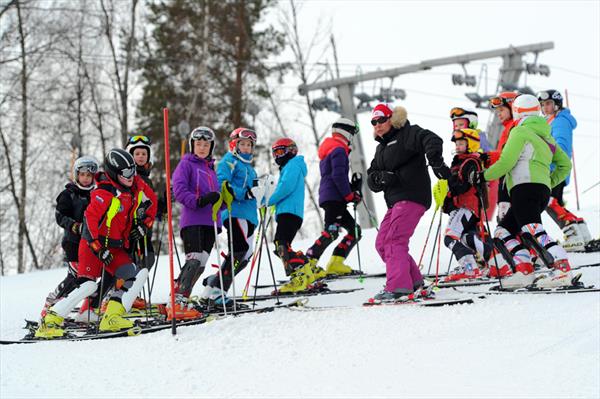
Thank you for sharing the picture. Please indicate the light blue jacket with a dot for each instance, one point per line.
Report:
(562, 130)
(288, 196)
(240, 176)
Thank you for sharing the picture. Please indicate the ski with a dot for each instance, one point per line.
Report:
(91, 335)
(322, 291)
(355, 275)
(465, 283)
(495, 290)
(420, 302)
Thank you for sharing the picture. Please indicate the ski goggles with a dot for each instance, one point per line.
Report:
(279, 152)
(127, 173)
(460, 135)
(87, 166)
(457, 112)
(498, 101)
(140, 138)
(247, 134)
(379, 121)
(202, 134)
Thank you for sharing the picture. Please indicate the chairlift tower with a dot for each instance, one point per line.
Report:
(510, 72)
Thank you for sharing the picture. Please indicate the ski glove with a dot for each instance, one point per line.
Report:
(356, 182)
(76, 228)
(138, 232)
(208, 199)
(101, 252)
(476, 178)
(384, 178)
(354, 197)
(440, 169)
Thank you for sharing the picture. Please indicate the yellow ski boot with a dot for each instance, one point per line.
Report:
(337, 267)
(301, 278)
(51, 326)
(113, 320)
(318, 272)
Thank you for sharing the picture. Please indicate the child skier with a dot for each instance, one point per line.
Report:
(525, 161)
(70, 206)
(335, 192)
(236, 170)
(288, 199)
(562, 123)
(467, 119)
(464, 207)
(196, 188)
(109, 230)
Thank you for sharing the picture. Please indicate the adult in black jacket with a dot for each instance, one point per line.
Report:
(400, 171)
(70, 206)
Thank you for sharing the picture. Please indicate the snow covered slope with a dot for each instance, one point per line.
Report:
(501, 346)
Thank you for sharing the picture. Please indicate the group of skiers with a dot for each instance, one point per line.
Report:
(108, 213)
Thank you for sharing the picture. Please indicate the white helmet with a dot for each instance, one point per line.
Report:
(525, 105)
(345, 127)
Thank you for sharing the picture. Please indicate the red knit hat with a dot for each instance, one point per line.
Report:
(381, 110)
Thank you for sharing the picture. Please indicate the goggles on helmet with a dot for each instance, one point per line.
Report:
(204, 134)
(140, 138)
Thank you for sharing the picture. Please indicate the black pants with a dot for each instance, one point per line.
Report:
(336, 216)
(198, 238)
(288, 226)
(557, 192)
(527, 202)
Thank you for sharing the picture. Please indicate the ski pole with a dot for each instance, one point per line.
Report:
(360, 278)
(255, 254)
(257, 272)
(573, 158)
(215, 210)
(371, 217)
(161, 230)
(266, 242)
(427, 238)
(487, 225)
(231, 262)
(169, 214)
(437, 267)
(437, 233)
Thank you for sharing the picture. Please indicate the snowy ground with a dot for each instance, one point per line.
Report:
(502, 346)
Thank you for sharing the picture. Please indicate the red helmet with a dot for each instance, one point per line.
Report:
(284, 146)
(241, 133)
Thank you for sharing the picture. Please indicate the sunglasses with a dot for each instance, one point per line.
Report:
(138, 138)
(204, 134)
(381, 120)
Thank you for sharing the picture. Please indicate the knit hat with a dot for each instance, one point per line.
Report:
(381, 110)
(344, 127)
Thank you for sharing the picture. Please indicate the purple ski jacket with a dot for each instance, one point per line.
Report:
(193, 178)
(334, 168)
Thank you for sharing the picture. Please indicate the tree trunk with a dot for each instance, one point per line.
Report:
(23, 163)
(242, 40)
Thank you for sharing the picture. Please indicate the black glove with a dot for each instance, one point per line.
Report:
(385, 178)
(138, 232)
(440, 170)
(101, 252)
(76, 228)
(476, 178)
(484, 157)
(356, 182)
(208, 199)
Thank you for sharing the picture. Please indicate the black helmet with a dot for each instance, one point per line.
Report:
(553, 95)
(117, 163)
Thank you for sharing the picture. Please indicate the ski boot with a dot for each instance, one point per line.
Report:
(113, 320)
(300, 280)
(523, 277)
(399, 295)
(337, 267)
(139, 303)
(573, 239)
(559, 277)
(468, 270)
(183, 309)
(51, 326)
(317, 271)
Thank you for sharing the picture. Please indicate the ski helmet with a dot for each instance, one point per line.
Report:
(461, 113)
(85, 164)
(504, 99)
(525, 105)
(283, 147)
(241, 133)
(553, 95)
(470, 135)
(117, 163)
(202, 133)
(345, 127)
(139, 141)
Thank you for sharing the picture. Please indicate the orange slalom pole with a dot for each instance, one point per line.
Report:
(573, 160)
(169, 213)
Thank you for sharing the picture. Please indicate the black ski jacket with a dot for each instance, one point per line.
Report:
(70, 205)
(402, 151)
